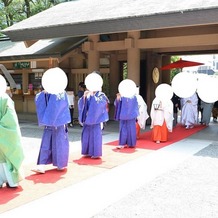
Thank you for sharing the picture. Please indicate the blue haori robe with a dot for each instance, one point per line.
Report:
(53, 113)
(126, 112)
(92, 112)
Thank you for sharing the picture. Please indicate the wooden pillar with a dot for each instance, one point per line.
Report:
(153, 60)
(166, 73)
(93, 54)
(133, 57)
(25, 83)
(113, 82)
(114, 75)
(52, 62)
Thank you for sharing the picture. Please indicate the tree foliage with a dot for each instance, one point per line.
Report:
(174, 71)
(14, 11)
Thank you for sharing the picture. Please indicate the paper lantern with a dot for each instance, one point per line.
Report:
(54, 80)
(164, 92)
(184, 84)
(3, 85)
(94, 82)
(127, 88)
(207, 89)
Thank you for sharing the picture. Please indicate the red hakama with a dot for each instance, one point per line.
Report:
(160, 133)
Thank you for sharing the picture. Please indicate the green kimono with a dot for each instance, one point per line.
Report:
(11, 151)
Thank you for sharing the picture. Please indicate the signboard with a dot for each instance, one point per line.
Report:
(21, 65)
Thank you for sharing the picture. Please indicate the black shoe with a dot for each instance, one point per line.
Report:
(8, 186)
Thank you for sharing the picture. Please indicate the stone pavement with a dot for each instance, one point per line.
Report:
(179, 180)
(186, 188)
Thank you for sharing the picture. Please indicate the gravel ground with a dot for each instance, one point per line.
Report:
(188, 191)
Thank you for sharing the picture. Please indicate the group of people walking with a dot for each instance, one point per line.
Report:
(54, 112)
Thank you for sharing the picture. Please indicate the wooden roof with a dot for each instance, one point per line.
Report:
(47, 48)
(83, 17)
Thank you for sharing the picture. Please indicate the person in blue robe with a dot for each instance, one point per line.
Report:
(93, 112)
(53, 113)
(126, 112)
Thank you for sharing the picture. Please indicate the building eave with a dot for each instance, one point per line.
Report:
(43, 49)
(158, 21)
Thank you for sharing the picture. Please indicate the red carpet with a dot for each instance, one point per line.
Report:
(88, 161)
(8, 194)
(35, 186)
(32, 187)
(144, 142)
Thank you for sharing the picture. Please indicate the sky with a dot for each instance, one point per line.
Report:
(206, 59)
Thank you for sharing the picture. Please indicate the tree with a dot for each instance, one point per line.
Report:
(174, 71)
(6, 14)
(14, 11)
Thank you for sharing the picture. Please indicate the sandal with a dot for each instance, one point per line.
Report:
(122, 146)
(38, 171)
(95, 157)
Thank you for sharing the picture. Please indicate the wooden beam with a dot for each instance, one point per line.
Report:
(87, 46)
(30, 42)
(161, 43)
(190, 49)
(111, 46)
(178, 41)
(67, 55)
(26, 59)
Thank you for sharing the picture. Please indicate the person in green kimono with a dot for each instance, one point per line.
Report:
(11, 151)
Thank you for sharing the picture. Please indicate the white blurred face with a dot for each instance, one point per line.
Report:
(3, 85)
